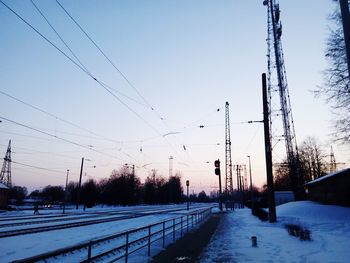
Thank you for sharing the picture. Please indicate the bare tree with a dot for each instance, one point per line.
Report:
(336, 88)
(312, 165)
(312, 159)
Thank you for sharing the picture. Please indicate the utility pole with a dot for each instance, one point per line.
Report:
(79, 186)
(344, 9)
(65, 193)
(240, 187)
(251, 184)
(268, 154)
(171, 158)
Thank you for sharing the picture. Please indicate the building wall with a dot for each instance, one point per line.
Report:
(3, 197)
(334, 190)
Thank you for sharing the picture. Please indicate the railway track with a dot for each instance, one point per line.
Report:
(39, 229)
(65, 217)
(39, 220)
(91, 220)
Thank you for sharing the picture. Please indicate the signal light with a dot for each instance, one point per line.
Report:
(217, 164)
(217, 167)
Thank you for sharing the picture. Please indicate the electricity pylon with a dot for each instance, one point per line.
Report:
(5, 175)
(278, 90)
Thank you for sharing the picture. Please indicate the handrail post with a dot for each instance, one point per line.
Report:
(126, 247)
(149, 240)
(163, 234)
(187, 224)
(89, 251)
(174, 229)
(181, 226)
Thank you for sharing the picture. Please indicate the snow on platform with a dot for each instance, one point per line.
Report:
(329, 226)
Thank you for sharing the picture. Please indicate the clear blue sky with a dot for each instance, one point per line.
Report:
(186, 58)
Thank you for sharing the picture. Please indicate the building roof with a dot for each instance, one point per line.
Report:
(2, 186)
(328, 176)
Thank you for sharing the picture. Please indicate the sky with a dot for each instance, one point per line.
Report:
(176, 63)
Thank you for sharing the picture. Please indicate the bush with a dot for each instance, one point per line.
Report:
(298, 231)
(260, 213)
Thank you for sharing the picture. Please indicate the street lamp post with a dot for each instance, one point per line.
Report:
(65, 193)
(251, 184)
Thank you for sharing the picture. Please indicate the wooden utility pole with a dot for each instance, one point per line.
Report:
(79, 186)
(251, 185)
(65, 193)
(268, 154)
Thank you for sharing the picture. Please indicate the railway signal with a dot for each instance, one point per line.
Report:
(188, 203)
(217, 172)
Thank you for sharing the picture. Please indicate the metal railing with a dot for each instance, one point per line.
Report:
(120, 246)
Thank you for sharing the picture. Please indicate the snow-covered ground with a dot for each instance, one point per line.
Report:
(23, 246)
(329, 226)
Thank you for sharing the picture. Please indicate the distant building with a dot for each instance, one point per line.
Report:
(333, 188)
(282, 197)
(3, 195)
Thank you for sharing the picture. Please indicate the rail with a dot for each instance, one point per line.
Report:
(117, 216)
(120, 246)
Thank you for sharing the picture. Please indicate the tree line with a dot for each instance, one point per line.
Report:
(121, 188)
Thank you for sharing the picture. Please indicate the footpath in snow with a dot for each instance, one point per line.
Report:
(329, 226)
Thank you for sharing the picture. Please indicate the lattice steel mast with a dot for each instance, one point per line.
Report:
(332, 163)
(5, 175)
(228, 163)
(277, 83)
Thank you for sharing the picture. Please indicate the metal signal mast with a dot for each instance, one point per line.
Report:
(278, 88)
(5, 175)
(228, 163)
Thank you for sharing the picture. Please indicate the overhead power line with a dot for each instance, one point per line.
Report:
(104, 86)
(73, 124)
(55, 117)
(123, 76)
(60, 138)
(84, 69)
(42, 168)
(74, 54)
(158, 115)
(104, 54)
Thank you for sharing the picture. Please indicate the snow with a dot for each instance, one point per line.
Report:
(344, 171)
(329, 226)
(23, 246)
(2, 186)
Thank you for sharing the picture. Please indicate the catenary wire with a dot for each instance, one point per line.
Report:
(104, 54)
(60, 138)
(104, 86)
